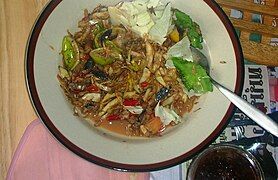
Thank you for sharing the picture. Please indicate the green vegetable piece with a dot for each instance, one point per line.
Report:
(112, 46)
(101, 57)
(97, 42)
(70, 53)
(193, 76)
(133, 66)
(98, 28)
(183, 20)
(97, 33)
(195, 38)
(185, 24)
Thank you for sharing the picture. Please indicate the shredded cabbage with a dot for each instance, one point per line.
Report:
(118, 16)
(144, 17)
(134, 109)
(161, 27)
(181, 49)
(153, 3)
(166, 115)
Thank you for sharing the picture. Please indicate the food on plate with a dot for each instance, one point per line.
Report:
(130, 69)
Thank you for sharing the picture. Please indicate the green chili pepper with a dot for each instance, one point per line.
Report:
(104, 58)
(97, 32)
(185, 24)
(70, 53)
(97, 40)
(103, 37)
(112, 46)
(101, 40)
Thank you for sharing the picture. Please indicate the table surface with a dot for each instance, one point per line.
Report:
(16, 112)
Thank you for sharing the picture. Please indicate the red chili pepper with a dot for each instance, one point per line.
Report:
(130, 102)
(144, 84)
(92, 88)
(113, 117)
(85, 57)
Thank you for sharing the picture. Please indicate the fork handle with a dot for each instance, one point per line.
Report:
(259, 117)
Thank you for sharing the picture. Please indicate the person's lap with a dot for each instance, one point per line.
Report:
(40, 156)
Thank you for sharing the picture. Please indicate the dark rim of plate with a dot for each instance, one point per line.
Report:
(31, 85)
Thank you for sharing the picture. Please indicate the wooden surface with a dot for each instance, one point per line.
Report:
(249, 6)
(16, 112)
(260, 52)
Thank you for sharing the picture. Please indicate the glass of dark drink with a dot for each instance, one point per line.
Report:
(225, 162)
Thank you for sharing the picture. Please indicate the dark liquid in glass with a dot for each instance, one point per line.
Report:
(228, 164)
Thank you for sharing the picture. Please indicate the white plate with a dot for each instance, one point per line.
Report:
(122, 153)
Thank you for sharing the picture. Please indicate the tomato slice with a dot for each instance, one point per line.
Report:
(130, 102)
(113, 117)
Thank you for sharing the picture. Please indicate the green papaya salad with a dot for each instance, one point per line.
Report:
(130, 68)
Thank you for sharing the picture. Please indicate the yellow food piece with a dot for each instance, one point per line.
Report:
(175, 36)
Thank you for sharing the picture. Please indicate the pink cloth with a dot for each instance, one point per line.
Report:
(40, 156)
